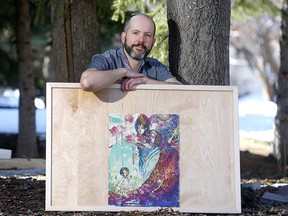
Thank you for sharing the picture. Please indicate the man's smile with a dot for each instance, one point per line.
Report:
(139, 47)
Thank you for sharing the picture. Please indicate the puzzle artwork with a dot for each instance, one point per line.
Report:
(144, 160)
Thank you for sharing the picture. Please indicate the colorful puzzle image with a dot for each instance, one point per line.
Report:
(144, 160)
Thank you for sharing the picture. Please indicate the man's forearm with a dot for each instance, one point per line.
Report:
(93, 80)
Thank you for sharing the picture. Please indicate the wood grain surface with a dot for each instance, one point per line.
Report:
(78, 138)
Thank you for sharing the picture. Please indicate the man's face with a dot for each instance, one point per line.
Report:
(139, 40)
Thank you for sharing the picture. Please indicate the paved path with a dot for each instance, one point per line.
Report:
(21, 167)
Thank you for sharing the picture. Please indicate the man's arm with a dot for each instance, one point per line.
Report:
(93, 80)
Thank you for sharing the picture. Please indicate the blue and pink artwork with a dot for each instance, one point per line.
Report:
(144, 160)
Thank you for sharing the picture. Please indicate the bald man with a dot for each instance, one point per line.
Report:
(129, 64)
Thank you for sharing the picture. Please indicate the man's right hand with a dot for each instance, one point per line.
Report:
(131, 79)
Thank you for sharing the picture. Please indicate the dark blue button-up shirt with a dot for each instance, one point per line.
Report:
(114, 59)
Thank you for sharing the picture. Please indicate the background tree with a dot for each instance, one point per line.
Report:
(75, 38)
(255, 38)
(199, 41)
(281, 121)
(21, 51)
(41, 43)
(8, 76)
(26, 146)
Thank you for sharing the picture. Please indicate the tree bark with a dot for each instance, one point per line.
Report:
(281, 119)
(75, 38)
(26, 146)
(199, 32)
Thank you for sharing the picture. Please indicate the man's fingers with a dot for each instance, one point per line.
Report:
(126, 84)
(129, 83)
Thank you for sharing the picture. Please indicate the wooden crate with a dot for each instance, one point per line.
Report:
(78, 135)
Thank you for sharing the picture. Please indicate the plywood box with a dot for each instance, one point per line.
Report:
(78, 135)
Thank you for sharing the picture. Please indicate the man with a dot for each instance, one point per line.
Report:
(128, 65)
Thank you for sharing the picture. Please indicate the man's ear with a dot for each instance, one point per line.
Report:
(154, 40)
(123, 37)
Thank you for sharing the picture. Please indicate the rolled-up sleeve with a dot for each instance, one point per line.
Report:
(99, 62)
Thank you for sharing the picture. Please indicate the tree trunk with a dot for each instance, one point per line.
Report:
(281, 119)
(26, 146)
(75, 38)
(199, 33)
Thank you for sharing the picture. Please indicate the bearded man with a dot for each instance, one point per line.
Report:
(129, 64)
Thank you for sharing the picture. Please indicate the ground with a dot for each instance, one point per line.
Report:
(256, 160)
(26, 196)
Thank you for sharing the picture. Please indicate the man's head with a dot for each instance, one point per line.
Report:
(138, 36)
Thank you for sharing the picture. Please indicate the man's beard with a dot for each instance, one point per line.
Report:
(132, 54)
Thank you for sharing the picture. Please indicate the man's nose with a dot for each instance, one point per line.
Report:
(141, 38)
